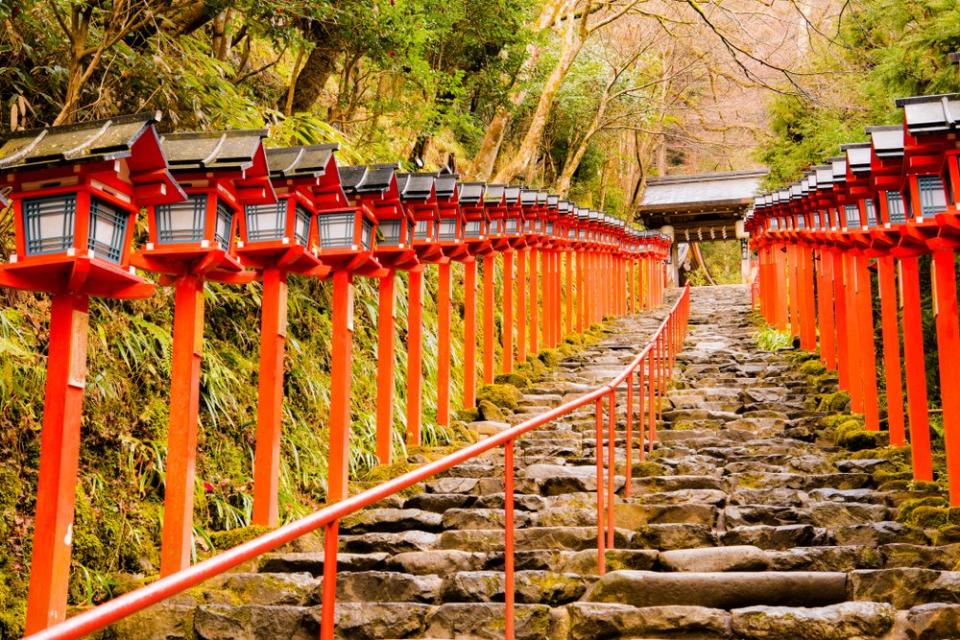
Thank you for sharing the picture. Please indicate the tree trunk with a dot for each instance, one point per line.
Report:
(490, 146)
(313, 76)
(486, 157)
(572, 44)
(575, 154)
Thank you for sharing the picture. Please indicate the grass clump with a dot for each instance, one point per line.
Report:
(770, 339)
(549, 357)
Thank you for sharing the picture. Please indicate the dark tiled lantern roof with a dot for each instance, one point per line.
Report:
(294, 162)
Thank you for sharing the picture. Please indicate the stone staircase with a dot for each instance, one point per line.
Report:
(744, 523)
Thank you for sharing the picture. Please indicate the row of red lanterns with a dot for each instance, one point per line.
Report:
(892, 200)
(222, 207)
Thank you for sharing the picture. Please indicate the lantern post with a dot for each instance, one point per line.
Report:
(495, 203)
(531, 228)
(886, 160)
(450, 239)
(934, 179)
(191, 242)
(277, 239)
(374, 189)
(859, 190)
(516, 242)
(75, 191)
(418, 192)
(476, 226)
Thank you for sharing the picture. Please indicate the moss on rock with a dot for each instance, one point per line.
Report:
(906, 509)
(490, 411)
(812, 368)
(517, 378)
(648, 468)
(836, 402)
(232, 537)
(549, 357)
(504, 396)
(852, 436)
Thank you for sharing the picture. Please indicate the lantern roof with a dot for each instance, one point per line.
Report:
(236, 150)
(109, 139)
(553, 201)
(839, 167)
(931, 114)
(493, 194)
(858, 156)
(375, 178)
(887, 140)
(471, 192)
(310, 161)
(416, 186)
(565, 207)
(582, 213)
(796, 190)
(447, 185)
(811, 182)
(528, 197)
(543, 197)
(824, 175)
(512, 194)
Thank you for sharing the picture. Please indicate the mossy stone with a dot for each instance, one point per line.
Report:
(852, 436)
(906, 509)
(550, 358)
(927, 517)
(490, 411)
(812, 368)
(516, 378)
(505, 396)
(836, 402)
(468, 415)
(233, 537)
(948, 534)
(647, 468)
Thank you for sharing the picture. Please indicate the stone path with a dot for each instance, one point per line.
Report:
(745, 524)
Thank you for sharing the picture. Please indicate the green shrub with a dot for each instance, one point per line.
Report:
(852, 436)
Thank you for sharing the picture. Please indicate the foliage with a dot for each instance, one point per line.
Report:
(770, 339)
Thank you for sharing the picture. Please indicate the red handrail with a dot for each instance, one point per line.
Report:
(661, 349)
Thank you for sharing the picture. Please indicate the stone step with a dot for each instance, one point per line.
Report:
(720, 590)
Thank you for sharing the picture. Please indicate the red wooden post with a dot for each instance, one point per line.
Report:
(266, 461)
(948, 346)
(868, 356)
(808, 321)
(508, 541)
(414, 355)
(547, 302)
(580, 293)
(177, 533)
(628, 445)
(488, 318)
(601, 539)
(533, 289)
(385, 366)
(521, 305)
(641, 417)
(568, 291)
(652, 399)
(916, 372)
(469, 333)
(780, 318)
(506, 359)
(840, 306)
(825, 315)
(891, 350)
(611, 462)
(340, 383)
(59, 455)
(443, 343)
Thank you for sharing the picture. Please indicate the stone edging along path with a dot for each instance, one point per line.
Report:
(746, 522)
